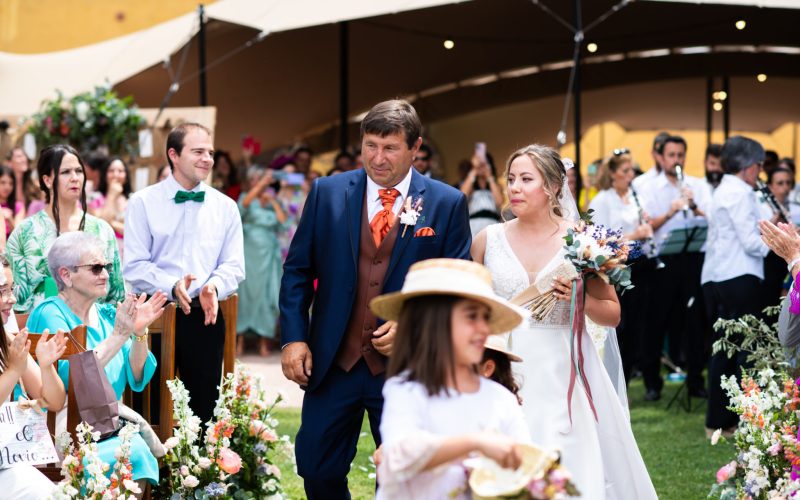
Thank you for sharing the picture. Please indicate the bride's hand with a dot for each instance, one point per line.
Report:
(563, 289)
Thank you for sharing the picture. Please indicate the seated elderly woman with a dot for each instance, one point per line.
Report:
(118, 335)
(40, 383)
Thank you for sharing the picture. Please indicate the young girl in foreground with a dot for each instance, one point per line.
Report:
(437, 408)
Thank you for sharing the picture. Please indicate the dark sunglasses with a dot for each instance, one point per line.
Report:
(96, 269)
(621, 151)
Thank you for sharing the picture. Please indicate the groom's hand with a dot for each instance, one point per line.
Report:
(383, 338)
(296, 362)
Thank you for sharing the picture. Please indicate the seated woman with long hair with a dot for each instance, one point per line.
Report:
(40, 382)
(117, 334)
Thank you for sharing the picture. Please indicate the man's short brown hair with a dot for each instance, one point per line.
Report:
(177, 134)
(390, 117)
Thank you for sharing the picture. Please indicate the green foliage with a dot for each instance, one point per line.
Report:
(88, 121)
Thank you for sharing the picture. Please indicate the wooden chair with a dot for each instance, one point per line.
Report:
(53, 471)
(230, 311)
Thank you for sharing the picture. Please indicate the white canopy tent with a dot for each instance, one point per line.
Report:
(26, 80)
(774, 4)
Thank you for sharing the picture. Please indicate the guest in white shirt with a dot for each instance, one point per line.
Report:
(616, 207)
(184, 238)
(676, 304)
(734, 267)
(640, 181)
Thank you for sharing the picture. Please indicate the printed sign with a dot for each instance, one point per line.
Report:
(24, 438)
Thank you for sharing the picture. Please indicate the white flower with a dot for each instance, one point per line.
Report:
(204, 462)
(409, 217)
(131, 486)
(184, 470)
(190, 482)
(82, 110)
(171, 443)
(715, 437)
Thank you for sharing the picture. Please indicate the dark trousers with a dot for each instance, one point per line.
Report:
(330, 427)
(676, 306)
(728, 300)
(633, 306)
(198, 358)
(775, 273)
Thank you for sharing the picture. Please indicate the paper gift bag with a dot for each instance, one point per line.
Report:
(96, 399)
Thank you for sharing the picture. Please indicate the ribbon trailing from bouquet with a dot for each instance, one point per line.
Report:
(578, 322)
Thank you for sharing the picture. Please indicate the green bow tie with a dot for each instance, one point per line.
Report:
(183, 196)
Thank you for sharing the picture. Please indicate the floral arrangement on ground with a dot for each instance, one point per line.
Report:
(766, 398)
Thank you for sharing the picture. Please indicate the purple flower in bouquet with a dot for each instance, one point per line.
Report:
(215, 490)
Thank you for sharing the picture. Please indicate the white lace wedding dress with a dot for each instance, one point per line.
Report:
(601, 455)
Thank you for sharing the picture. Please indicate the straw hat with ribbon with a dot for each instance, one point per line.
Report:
(499, 344)
(460, 278)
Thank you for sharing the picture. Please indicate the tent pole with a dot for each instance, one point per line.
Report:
(201, 52)
(726, 108)
(576, 85)
(344, 63)
(709, 108)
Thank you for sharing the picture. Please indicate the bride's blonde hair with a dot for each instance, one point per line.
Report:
(548, 162)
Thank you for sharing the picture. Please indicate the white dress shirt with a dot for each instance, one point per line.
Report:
(165, 240)
(767, 213)
(615, 211)
(639, 182)
(374, 198)
(734, 242)
(658, 194)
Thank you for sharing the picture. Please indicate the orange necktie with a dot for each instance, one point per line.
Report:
(383, 220)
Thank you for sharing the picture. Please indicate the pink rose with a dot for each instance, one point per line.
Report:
(262, 431)
(726, 472)
(229, 461)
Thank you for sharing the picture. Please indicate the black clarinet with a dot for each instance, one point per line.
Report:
(774, 204)
(653, 253)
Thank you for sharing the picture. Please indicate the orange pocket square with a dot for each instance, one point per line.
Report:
(425, 231)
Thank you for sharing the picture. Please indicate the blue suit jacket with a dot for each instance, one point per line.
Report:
(326, 246)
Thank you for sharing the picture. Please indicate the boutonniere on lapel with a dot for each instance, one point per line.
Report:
(411, 214)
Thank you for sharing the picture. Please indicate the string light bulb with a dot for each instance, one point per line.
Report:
(449, 43)
(761, 77)
(717, 106)
(741, 24)
(592, 47)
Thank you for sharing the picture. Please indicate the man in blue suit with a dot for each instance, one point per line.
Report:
(359, 233)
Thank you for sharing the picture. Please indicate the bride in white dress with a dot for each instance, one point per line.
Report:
(600, 452)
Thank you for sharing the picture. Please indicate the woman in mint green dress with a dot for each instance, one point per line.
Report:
(118, 336)
(262, 221)
(61, 176)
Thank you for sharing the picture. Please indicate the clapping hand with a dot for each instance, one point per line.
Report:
(50, 348)
(147, 312)
(17, 353)
(181, 293)
(126, 316)
(781, 239)
(210, 303)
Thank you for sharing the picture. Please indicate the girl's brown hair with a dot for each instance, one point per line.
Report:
(502, 374)
(608, 167)
(423, 347)
(548, 162)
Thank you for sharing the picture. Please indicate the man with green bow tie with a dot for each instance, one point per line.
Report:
(184, 238)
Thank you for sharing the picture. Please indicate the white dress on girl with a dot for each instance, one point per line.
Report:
(414, 424)
(602, 455)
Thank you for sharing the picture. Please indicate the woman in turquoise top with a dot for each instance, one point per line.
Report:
(263, 220)
(61, 177)
(118, 335)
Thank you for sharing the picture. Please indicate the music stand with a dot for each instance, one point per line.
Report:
(682, 240)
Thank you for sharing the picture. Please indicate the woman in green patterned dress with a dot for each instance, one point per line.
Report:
(61, 177)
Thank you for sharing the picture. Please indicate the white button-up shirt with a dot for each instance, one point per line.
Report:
(658, 194)
(374, 198)
(615, 211)
(734, 242)
(165, 240)
(640, 182)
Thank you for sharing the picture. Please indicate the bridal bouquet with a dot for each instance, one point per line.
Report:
(590, 250)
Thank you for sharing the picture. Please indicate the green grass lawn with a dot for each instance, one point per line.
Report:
(681, 461)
